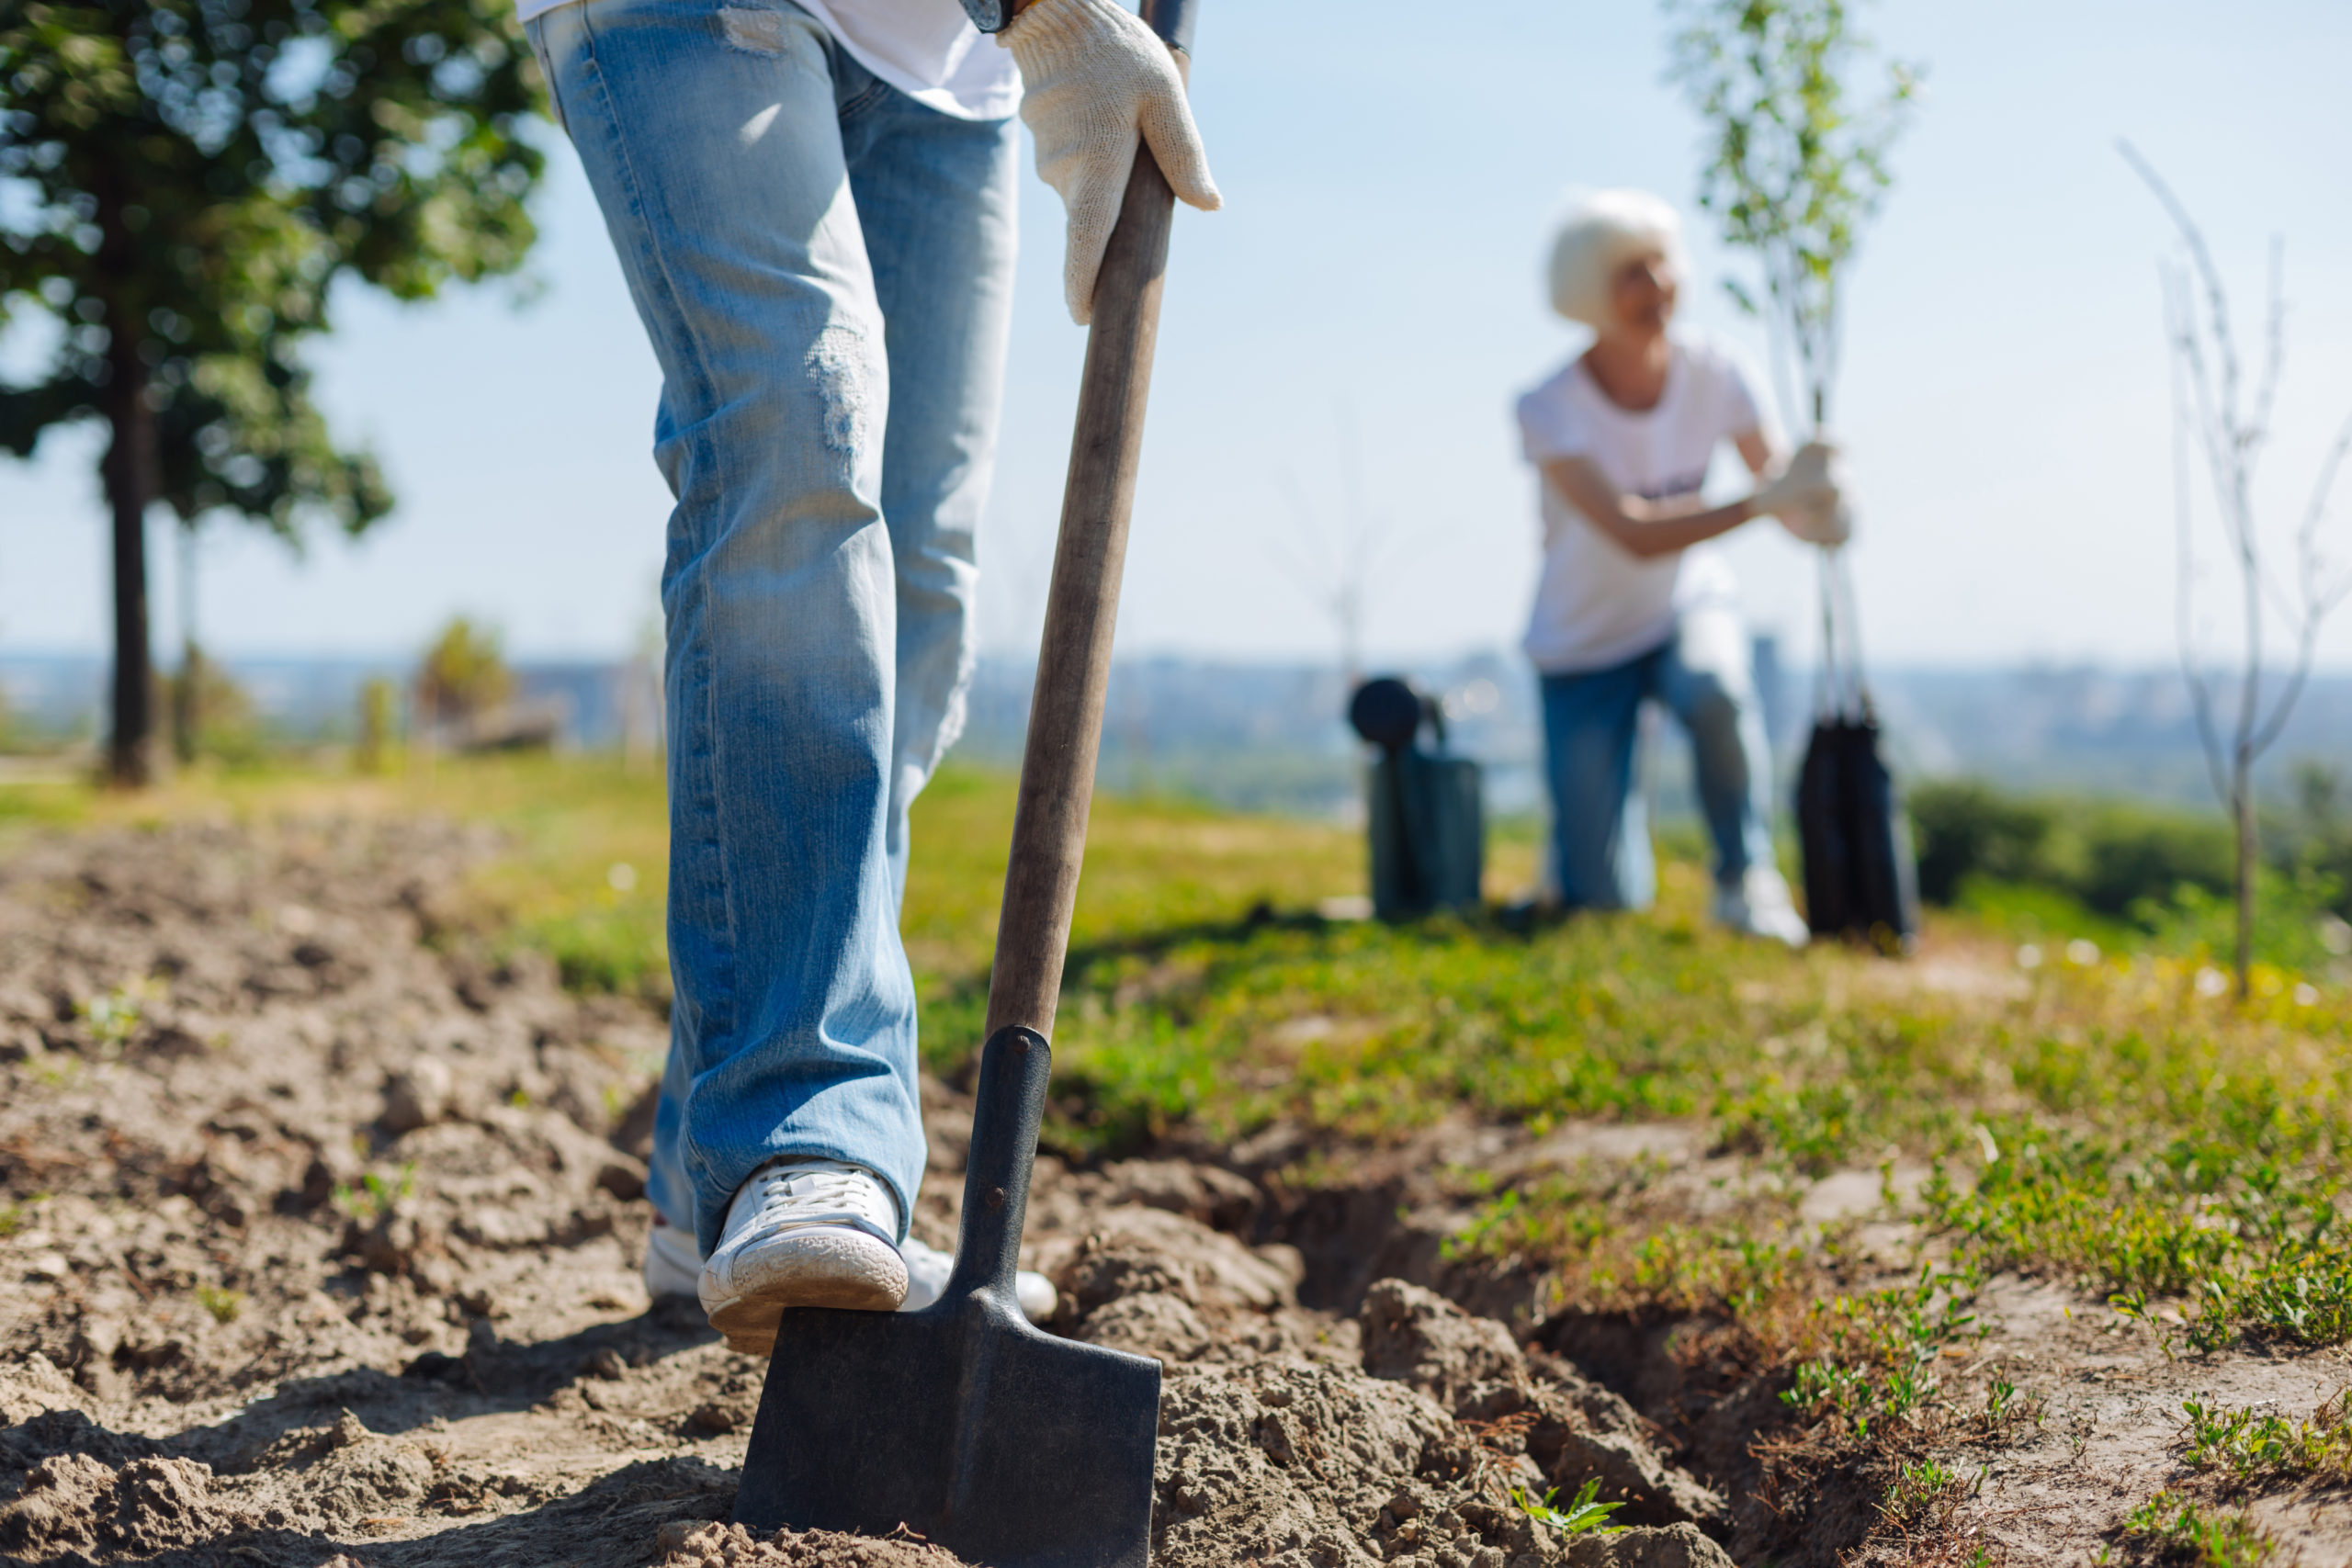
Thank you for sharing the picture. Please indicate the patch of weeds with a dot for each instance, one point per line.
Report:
(1585, 1514)
(1557, 1218)
(1924, 1494)
(2253, 1445)
(1813, 1126)
(373, 1197)
(1875, 1364)
(1685, 1269)
(14, 1217)
(2307, 1299)
(2177, 1530)
(2240, 1218)
(2007, 1405)
(224, 1304)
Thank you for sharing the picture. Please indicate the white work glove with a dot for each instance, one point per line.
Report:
(1807, 496)
(1094, 78)
(1828, 523)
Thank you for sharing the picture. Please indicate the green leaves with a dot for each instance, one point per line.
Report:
(1797, 165)
(196, 174)
(1585, 1514)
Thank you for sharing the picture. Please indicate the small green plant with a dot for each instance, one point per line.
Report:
(374, 1197)
(12, 1217)
(2253, 1444)
(2173, 1523)
(223, 1303)
(113, 1017)
(2132, 1307)
(1584, 1515)
(1924, 1494)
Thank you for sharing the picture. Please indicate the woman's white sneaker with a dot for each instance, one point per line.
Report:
(802, 1233)
(1760, 905)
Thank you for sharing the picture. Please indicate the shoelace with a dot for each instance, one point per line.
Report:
(812, 1193)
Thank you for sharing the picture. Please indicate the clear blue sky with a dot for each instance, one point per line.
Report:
(1390, 170)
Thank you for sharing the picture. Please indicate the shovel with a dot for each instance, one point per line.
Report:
(1007, 1446)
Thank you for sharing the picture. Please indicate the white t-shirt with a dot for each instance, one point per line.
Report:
(927, 49)
(1595, 604)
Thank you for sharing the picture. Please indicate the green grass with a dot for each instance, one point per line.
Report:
(2101, 1117)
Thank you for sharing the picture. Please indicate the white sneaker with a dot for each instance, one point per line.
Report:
(672, 1267)
(927, 1271)
(1760, 905)
(803, 1233)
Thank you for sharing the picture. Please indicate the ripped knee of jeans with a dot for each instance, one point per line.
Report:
(752, 29)
(839, 369)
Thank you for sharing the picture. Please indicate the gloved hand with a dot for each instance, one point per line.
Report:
(1827, 521)
(1094, 77)
(1805, 481)
(1809, 496)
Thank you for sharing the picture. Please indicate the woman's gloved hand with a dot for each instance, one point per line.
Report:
(1809, 497)
(1828, 522)
(1805, 478)
(1094, 78)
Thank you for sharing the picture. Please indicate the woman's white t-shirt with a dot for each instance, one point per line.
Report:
(1596, 605)
(927, 49)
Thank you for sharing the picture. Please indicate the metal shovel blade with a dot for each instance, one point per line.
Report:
(1005, 1445)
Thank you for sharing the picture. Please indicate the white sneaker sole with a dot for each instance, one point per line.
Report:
(827, 1266)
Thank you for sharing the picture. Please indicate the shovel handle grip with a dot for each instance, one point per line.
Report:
(1008, 1107)
(1082, 605)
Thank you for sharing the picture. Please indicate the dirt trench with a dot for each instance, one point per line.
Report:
(321, 1230)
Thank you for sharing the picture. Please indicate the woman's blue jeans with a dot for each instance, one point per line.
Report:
(824, 267)
(1601, 841)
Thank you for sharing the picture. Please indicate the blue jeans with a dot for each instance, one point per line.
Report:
(824, 267)
(1601, 841)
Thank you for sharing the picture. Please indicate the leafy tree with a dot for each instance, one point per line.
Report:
(1797, 165)
(464, 675)
(189, 178)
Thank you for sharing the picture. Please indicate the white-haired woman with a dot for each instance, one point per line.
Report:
(1633, 605)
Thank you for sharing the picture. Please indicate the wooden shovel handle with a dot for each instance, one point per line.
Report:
(1081, 611)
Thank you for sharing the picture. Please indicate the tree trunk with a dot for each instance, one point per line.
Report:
(130, 475)
(2246, 851)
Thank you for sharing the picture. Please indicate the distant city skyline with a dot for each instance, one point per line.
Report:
(1269, 734)
(1389, 185)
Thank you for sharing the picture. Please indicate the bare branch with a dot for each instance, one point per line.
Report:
(2274, 352)
(2200, 694)
(2216, 297)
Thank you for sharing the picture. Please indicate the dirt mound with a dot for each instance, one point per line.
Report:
(69, 1503)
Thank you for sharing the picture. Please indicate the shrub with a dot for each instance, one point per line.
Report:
(2112, 857)
(1967, 827)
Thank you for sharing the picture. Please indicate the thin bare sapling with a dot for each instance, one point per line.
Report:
(2226, 419)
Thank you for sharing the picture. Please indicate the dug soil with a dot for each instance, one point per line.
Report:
(320, 1230)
